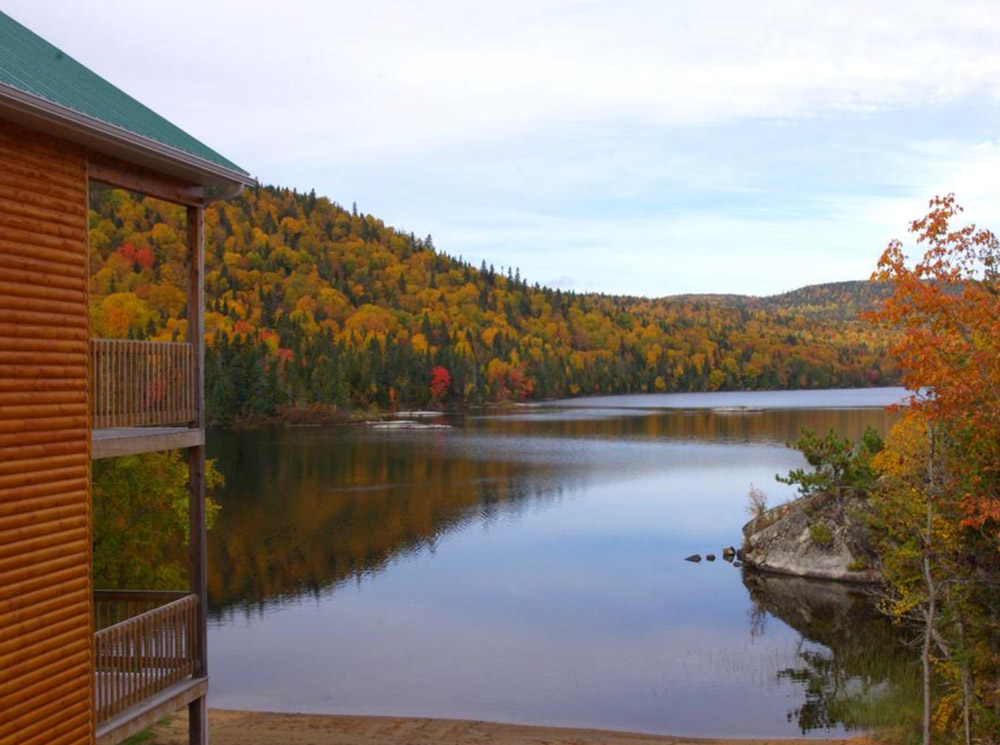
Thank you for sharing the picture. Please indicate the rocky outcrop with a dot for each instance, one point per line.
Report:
(820, 536)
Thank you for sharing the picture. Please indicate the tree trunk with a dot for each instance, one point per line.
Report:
(930, 616)
(929, 622)
(967, 703)
(966, 687)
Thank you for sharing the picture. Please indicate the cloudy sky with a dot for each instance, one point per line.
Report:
(631, 147)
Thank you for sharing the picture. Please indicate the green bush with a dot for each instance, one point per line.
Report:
(842, 468)
(820, 534)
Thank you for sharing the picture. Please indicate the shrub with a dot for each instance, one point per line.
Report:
(820, 534)
(756, 502)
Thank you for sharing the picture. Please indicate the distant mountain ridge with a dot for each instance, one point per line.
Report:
(853, 295)
(309, 304)
(843, 298)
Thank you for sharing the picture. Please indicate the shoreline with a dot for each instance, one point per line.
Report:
(329, 415)
(235, 727)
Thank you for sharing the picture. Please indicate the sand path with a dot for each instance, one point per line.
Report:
(256, 728)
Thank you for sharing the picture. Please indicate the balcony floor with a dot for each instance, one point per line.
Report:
(108, 443)
(149, 711)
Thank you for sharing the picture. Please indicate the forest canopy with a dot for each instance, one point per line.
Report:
(308, 304)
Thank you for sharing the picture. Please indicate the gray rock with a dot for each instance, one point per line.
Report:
(709, 557)
(820, 536)
(695, 558)
(737, 563)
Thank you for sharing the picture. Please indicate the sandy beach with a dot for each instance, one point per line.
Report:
(255, 728)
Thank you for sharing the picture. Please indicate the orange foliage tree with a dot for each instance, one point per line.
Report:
(937, 507)
(947, 306)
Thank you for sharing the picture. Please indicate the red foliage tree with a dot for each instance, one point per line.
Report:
(144, 258)
(440, 382)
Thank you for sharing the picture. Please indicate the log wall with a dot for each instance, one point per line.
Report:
(46, 627)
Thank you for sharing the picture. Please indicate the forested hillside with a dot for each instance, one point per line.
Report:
(308, 303)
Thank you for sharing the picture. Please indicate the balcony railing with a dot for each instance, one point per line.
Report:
(144, 644)
(142, 383)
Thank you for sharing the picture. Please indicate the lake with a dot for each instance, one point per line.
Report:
(527, 565)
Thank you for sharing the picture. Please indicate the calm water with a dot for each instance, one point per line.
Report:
(526, 566)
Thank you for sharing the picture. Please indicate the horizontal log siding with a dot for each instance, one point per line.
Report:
(46, 626)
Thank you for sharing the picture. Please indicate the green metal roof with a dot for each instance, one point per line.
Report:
(33, 66)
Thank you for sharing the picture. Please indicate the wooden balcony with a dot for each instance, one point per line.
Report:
(143, 396)
(144, 659)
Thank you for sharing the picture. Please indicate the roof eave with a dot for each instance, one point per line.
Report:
(41, 114)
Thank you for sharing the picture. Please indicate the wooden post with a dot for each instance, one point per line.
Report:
(196, 306)
(197, 709)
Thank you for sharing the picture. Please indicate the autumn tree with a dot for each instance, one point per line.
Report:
(141, 520)
(938, 504)
(440, 383)
(947, 306)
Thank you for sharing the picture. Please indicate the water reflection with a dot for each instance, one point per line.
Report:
(853, 668)
(844, 398)
(527, 568)
(305, 510)
(769, 425)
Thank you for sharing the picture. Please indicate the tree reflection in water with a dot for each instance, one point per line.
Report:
(305, 510)
(297, 519)
(855, 671)
(556, 591)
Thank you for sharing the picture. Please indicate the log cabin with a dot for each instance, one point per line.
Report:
(79, 666)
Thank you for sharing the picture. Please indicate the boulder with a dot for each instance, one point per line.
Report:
(820, 536)
(709, 557)
(693, 558)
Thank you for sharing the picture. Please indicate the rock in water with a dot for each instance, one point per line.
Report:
(693, 558)
(709, 557)
(728, 553)
(820, 536)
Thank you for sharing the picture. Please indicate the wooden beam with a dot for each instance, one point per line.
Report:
(111, 443)
(196, 552)
(122, 175)
(196, 305)
(197, 544)
(198, 721)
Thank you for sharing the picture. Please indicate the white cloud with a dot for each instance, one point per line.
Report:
(615, 146)
(389, 78)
